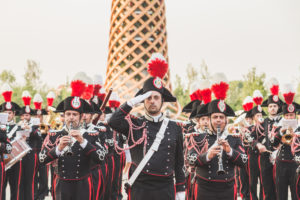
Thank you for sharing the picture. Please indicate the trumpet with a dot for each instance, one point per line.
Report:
(221, 170)
(287, 138)
(69, 151)
(44, 128)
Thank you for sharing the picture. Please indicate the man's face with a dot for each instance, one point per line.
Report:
(11, 115)
(87, 118)
(26, 117)
(218, 120)
(72, 116)
(153, 103)
(203, 122)
(258, 118)
(273, 109)
(289, 116)
(249, 120)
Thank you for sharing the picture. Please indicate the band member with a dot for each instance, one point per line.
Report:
(244, 171)
(266, 167)
(73, 151)
(255, 139)
(33, 138)
(41, 183)
(13, 174)
(285, 166)
(196, 138)
(215, 168)
(152, 133)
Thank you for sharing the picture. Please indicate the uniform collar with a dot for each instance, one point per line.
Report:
(158, 118)
(11, 122)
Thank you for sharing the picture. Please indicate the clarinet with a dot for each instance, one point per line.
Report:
(69, 151)
(220, 160)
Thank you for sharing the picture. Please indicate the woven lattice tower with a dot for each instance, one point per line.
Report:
(137, 29)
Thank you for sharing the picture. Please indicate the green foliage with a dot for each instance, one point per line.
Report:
(180, 92)
(33, 84)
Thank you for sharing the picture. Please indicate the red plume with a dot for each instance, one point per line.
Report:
(288, 92)
(50, 98)
(206, 95)
(289, 97)
(78, 88)
(220, 90)
(114, 101)
(248, 103)
(274, 90)
(88, 93)
(37, 105)
(257, 97)
(101, 94)
(97, 87)
(26, 100)
(157, 66)
(7, 96)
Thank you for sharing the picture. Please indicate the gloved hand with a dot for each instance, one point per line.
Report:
(138, 99)
(180, 195)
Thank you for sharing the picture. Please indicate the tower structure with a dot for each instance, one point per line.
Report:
(137, 29)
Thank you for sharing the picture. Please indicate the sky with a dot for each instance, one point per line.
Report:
(68, 36)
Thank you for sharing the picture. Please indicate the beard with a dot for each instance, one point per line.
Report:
(153, 111)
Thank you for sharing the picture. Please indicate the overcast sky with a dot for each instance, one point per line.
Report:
(67, 36)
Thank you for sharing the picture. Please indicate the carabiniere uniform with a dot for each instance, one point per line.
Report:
(74, 181)
(156, 181)
(209, 184)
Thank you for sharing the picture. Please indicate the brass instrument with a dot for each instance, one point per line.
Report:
(69, 151)
(54, 121)
(221, 170)
(287, 138)
(44, 128)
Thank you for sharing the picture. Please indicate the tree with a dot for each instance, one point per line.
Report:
(181, 92)
(32, 75)
(204, 73)
(192, 74)
(7, 76)
(234, 98)
(253, 81)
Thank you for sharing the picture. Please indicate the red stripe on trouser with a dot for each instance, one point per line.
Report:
(32, 189)
(19, 180)
(235, 191)
(241, 184)
(196, 191)
(249, 177)
(2, 171)
(297, 183)
(129, 194)
(54, 186)
(113, 171)
(175, 191)
(99, 183)
(90, 188)
(261, 176)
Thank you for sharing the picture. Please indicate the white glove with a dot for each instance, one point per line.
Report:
(138, 99)
(180, 195)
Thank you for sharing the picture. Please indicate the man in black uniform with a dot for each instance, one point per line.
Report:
(30, 161)
(215, 168)
(13, 175)
(156, 178)
(285, 166)
(74, 151)
(266, 167)
(256, 137)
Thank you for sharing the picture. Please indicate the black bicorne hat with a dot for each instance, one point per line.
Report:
(290, 108)
(274, 97)
(191, 106)
(40, 112)
(257, 109)
(10, 106)
(157, 68)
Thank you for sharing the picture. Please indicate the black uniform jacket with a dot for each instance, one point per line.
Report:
(167, 162)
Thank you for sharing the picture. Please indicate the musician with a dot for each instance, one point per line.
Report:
(285, 166)
(243, 172)
(209, 184)
(156, 180)
(266, 167)
(255, 147)
(72, 149)
(41, 183)
(197, 138)
(12, 176)
(98, 174)
(33, 138)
